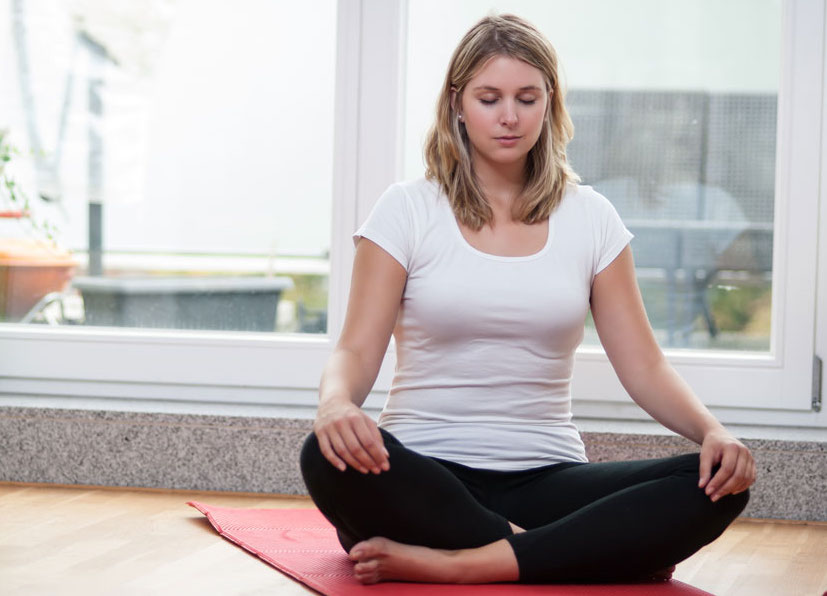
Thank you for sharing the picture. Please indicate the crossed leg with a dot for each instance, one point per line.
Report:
(417, 502)
(615, 520)
(429, 521)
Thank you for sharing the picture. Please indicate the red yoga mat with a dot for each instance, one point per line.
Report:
(303, 544)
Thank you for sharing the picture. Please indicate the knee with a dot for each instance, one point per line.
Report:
(725, 509)
(311, 460)
(715, 518)
(734, 505)
(687, 465)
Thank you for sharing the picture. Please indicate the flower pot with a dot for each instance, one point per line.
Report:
(28, 271)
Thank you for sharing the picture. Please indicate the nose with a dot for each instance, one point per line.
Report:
(508, 116)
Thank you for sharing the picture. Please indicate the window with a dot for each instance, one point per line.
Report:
(676, 115)
(373, 125)
(675, 121)
(185, 152)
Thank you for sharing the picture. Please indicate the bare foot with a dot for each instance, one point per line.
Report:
(380, 559)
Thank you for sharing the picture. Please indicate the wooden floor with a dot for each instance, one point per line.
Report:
(60, 540)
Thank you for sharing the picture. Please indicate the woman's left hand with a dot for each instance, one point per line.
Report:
(737, 471)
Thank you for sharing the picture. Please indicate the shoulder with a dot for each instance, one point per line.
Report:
(420, 197)
(584, 196)
(583, 201)
(420, 189)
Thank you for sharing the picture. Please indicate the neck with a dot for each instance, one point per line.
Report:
(500, 183)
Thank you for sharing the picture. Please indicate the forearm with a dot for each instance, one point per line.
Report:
(346, 434)
(345, 377)
(665, 396)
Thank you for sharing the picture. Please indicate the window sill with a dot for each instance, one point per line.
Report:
(243, 451)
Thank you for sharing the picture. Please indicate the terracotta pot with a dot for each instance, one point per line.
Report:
(13, 214)
(28, 271)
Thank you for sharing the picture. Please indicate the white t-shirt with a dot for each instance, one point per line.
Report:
(485, 343)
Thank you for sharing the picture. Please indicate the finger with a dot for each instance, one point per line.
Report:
(735, 483)
(381, 441)
(729, 461)
(376, 450)
(363, 445)
(342, 450)
(750, 475)
(328, 453)
(747, 478)
(348, 433)
(707, 461)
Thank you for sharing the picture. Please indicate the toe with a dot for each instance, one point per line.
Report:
(371, 548)
(366, 573)
(368, 566)
(368, 578)
(360, 550)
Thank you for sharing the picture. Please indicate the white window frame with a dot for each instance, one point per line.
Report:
(77, 366)
(773, 388)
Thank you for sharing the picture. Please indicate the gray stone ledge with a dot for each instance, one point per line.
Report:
(251, 454)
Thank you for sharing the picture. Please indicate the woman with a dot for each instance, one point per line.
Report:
(484, 272)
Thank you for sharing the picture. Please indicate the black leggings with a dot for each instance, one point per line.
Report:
(613, 521)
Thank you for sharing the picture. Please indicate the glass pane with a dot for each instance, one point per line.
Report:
(674, 108)
(183, 150)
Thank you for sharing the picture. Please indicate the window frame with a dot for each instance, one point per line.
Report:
(781, 379)
(186, 367)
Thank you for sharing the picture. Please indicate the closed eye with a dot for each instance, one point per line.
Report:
(527, 102)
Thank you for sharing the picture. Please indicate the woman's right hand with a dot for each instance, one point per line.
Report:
(349, 437)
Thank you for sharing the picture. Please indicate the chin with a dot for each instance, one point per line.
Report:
(508, 160)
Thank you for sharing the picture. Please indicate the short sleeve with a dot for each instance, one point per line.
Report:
(611, 237)
(390, 225)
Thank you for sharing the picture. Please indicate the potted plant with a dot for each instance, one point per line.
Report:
(32, 264)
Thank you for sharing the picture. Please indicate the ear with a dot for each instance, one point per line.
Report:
(454, 98)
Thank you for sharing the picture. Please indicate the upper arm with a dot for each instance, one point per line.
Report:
(621, 321)
(376, 288)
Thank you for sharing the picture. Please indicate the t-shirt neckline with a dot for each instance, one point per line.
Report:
(464, 242)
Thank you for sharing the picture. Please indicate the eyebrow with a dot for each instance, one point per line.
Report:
(490, 88)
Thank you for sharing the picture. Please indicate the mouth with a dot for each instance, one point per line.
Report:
(508, 140)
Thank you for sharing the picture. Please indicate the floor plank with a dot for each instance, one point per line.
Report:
(93, 540)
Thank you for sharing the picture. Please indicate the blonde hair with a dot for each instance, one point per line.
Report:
(447, 150)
